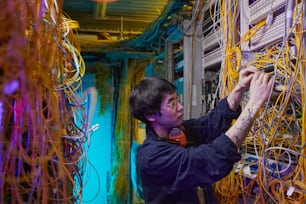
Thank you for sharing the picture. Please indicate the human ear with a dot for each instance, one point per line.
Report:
(150, 117)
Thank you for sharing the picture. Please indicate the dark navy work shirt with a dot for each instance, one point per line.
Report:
(171, 174)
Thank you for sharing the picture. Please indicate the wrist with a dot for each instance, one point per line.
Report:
(234, 98)
(240, 88)
(253, 106)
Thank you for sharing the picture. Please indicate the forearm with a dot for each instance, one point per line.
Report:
(260, 89)
(239, 131)
(234, 98)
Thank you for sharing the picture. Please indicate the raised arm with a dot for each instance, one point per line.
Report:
(245, 77)
(260, 89)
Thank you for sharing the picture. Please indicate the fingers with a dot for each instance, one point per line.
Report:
(262, 80)
(252, 68)
(246, 76)
(251, 75)
(270, 83)
(248, 70)
(262, 83)
(261, 77)
(260, 88)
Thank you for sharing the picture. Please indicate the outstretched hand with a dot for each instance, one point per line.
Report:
(260, 88)
(260, 84)
(245, 77)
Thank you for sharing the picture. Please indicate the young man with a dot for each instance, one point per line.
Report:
(205, 149)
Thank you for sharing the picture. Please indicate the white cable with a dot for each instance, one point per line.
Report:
(282, 170)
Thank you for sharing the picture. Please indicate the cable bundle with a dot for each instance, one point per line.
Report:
(42, 114)
(273, 167)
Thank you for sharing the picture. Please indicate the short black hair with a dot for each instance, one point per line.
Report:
(146, 97)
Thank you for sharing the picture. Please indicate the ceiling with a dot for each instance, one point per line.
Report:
(104, 23)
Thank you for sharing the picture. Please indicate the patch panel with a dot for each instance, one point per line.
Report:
(210, 25)
(261, 8)
(270, 33)
(212, 58)
(212, 40)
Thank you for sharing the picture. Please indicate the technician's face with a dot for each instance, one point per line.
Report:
(171, 112)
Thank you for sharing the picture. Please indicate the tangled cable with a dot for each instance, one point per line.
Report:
(273, 167)
(44, 114)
